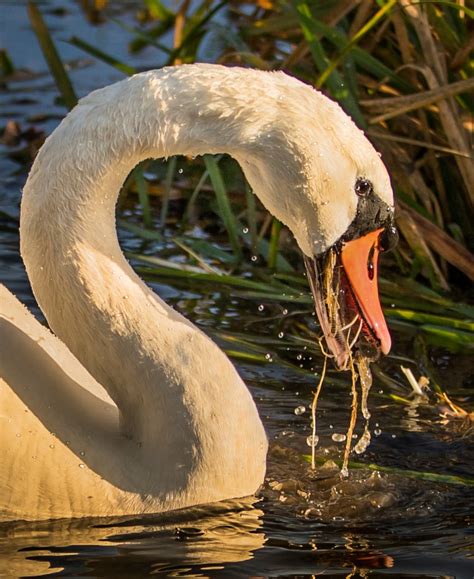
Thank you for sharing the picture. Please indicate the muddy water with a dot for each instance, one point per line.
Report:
(302, 523)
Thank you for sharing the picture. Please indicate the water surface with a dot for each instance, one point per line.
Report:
(302, 523)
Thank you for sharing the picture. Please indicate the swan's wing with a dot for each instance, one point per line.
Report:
(17, 322)
(54, 419)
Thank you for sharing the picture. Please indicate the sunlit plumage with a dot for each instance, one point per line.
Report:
(131, 408)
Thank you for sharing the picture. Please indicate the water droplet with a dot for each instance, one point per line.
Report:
(312, 440)
(299, 357)
(82, 465)
(51, 446)
(363, 443)
(300, 410)
(245, 230)
(377, 431)
(82, 453)
(254, 258)
(268, 356)
(280, 335)
(285, 312)
(180, 171)
(337, 437)
(18, 435)
(261, 307)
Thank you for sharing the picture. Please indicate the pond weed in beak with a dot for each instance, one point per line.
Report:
(344, 285)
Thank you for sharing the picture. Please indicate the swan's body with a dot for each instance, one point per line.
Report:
(160, 419)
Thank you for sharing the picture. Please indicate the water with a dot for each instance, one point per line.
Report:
(302, 523)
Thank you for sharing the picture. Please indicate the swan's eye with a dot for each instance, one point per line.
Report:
(363, 187)
(388, 239)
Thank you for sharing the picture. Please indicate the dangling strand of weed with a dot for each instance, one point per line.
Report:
(352, 423)
(321, 347)
(365, 380)
(314, 406)
(330, 292)
(353, 343)
(350, 324)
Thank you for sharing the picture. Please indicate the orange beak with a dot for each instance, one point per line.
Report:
(360, 260)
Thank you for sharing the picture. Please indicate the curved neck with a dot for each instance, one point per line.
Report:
(80, 169)
(128, 338)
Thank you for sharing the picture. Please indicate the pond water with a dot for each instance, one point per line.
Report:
(302, 523)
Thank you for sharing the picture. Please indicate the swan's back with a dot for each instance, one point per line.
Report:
(40, 474)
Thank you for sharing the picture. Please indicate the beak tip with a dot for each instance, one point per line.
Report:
(386, 348)
(385, 342)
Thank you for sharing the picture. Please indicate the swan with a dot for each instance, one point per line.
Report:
(128, 408)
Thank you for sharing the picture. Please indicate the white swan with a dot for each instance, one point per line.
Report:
(141, 412)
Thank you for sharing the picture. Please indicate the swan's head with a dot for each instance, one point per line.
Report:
(356, 216)
(321, 176)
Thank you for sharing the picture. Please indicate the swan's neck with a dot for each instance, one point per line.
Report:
(158, 368)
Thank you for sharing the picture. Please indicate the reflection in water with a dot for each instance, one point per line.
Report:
(225, 533)
(221, 540)
(411, 422)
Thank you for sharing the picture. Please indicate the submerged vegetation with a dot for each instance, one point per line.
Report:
(403, 71)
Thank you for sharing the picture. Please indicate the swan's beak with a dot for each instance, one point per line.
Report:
(345, 290)
(360, 259)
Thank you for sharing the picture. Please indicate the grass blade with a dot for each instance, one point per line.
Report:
(420, 475)
(334, 80)
(193, 197)
(6, 64)
(141, 38)
(361, 57)
(230, 221)
(51, 56)
(455, 340)
(423, 318)
(101, 55)
(170, 172)
(143, 196)
(274, 243)
(358, 36)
